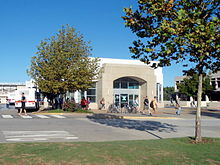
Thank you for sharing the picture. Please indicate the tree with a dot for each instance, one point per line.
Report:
(189, 86)
(167, 92)
(184, 31)
(63, 64)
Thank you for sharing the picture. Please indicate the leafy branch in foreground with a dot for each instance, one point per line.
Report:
(183, 31)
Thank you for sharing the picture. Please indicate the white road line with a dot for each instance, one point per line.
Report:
(58, 116)
(42, 116)
(26, 116)
(37, 135)
(33, 136)
(35, 132)
(25, 140)
(7, 116)
(71, 138)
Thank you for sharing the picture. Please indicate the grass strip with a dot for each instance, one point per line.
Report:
(178, 151)
(62, 111)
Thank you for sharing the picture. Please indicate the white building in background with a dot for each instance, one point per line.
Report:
(215, 82)
(121, 81)
(7, 90)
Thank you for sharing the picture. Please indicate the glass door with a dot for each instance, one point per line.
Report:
(131, 99)
(124, 100)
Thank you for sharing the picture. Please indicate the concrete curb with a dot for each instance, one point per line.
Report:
(48, 113)
(45, 113)
(150, 117)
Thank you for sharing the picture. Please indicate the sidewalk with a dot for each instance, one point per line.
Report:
(166, 113)
(162, 113)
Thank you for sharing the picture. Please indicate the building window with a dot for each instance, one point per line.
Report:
(116, 84)
(133, 85)
(91, 93)
(125, 83)
(158, 92)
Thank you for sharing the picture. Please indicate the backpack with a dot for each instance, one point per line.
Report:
(151, 104)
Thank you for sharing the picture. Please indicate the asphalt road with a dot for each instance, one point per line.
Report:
(73, 128)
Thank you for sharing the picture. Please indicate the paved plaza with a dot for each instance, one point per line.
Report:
(102, 126)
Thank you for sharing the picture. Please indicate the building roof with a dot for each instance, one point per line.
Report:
(123, 61)
(11, 84)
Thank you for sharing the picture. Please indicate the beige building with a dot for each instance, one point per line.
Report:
(122, 81)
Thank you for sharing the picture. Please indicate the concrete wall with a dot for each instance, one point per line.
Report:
(144, 74)
(188, 103)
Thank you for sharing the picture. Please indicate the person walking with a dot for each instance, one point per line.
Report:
(102, 102)
(178, 107)
(153, 104)
(7, 103)
(83, 103)
(23, 101)
(61, 102)
(136, 104)
(87, 103)
(146, 105)
(56, 102)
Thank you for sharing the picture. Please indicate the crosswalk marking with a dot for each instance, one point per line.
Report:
(26, 116)
(7, 116)
(71, 138)
(58, 116)
(26, 140)
(42, 116)
(32, 116)
(23, 136)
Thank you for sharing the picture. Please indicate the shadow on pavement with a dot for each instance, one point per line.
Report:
(147, 126)
(209, 113)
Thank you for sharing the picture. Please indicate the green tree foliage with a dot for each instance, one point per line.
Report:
(184, 31)
(63, 64)
(176, 30)
(189, 86)
(167, 92)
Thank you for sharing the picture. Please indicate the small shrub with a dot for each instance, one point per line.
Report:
(70, 106)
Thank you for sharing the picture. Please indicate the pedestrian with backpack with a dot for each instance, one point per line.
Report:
(153, 104)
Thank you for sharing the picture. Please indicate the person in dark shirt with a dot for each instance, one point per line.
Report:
(23, 100)
(146, 106)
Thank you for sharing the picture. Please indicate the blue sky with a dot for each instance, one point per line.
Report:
(24, 23)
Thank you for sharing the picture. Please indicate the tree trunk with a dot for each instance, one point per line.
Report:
(198, 136)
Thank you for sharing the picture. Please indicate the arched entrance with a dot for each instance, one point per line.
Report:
(126, 90)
